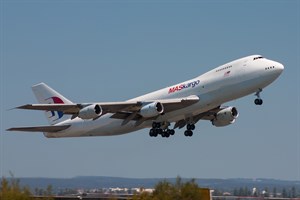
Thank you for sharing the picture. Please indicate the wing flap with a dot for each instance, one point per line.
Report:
(40, 128)
(175, 104)
(126, 106)
(208, 115)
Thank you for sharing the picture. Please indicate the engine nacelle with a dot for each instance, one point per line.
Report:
(225, 117)
(152, 109)
(90, 112)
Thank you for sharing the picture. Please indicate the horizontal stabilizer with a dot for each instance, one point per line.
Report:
(40, 128)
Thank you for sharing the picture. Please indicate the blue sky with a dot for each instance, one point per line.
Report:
(116, 50)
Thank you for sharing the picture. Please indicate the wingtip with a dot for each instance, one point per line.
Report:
(38, 84)
(23, 106)
(11, 109)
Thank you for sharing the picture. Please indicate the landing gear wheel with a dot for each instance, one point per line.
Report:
(155, 134)
(172, 131)
(188, 133)
(151, 132)
(156, 125)
(190, 127)
(258, 101)
(161, 128)
(167, 134)
(159, 131)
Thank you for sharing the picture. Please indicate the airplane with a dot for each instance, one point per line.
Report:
(183, 104)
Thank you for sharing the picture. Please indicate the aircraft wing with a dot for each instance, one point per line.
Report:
(175, 104)
(40, 128)
(209, 115)
(115, 107)
(75, 108)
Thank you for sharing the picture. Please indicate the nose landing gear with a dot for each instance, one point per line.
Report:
(258, 100)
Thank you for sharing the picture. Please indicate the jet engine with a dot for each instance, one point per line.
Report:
(225, 117)
(152, 109)
(90, 112)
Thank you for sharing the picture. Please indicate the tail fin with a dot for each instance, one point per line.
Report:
(46, 95)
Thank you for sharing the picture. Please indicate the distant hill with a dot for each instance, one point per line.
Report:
(88, 182)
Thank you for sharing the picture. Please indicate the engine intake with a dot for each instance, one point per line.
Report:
(90, 112)
(152, 109)
(225, 117)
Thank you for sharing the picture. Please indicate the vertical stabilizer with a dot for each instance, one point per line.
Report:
(46, 95)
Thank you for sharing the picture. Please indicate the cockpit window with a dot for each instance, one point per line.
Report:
(259, 57)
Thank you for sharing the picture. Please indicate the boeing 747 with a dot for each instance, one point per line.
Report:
(182, 105)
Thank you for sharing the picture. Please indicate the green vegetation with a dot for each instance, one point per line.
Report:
(11, 190)
(168, 191)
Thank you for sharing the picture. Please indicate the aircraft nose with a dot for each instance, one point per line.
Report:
(279, 67)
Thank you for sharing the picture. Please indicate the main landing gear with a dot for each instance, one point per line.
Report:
(189, 130)
(258, 100)
(157, 130)
(164, 131)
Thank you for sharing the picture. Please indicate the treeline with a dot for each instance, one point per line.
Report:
(169, 191)
(266, 192)
(11, 190)
(282, 192)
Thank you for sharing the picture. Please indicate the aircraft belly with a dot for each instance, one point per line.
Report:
(103, 126)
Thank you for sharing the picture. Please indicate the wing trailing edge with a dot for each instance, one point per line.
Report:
(40, 128)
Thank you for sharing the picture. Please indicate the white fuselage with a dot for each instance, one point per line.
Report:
(222, 84)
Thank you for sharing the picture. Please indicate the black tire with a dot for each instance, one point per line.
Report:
(193, 127)
(155, 125)
(172, 131)
(258, 101)
(186, 133)
(190, 127)
(159, 131)
(155, 134)
(151, 132)
(167, 134)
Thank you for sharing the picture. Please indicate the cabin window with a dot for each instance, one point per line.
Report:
(259, 57)
(223, 68)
